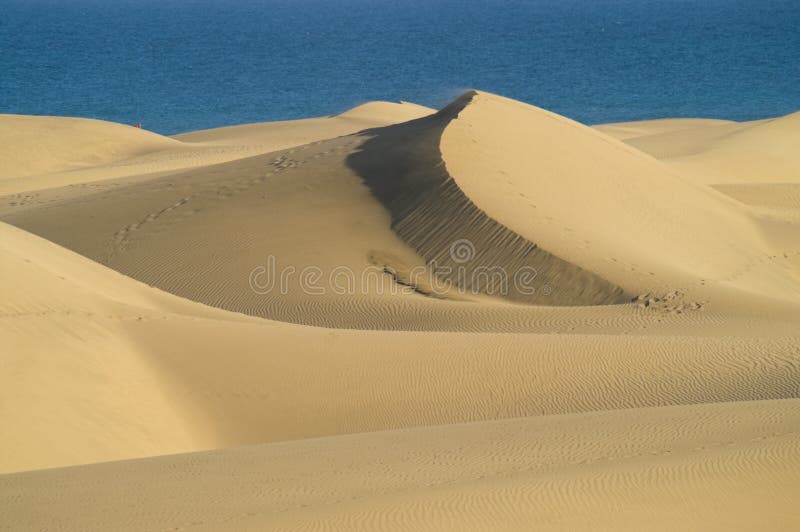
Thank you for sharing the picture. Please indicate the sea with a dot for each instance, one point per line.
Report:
(181, 65)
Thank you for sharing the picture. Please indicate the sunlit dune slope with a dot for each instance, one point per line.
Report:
(729, 466)
(755, 163)
(603, 205)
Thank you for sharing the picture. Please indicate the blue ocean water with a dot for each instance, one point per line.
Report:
(178, 65)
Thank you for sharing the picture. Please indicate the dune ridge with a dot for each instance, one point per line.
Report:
(404, 169)
(703, 237)
(47, 152)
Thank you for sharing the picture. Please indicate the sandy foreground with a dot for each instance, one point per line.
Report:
(487, 317)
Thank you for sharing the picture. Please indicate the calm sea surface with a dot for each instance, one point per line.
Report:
(178, 65)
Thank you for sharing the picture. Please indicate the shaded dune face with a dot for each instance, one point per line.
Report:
(403, 167)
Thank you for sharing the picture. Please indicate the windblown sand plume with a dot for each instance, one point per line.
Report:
(487, 317)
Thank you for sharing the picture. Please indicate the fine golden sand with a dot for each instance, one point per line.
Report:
(168, 363)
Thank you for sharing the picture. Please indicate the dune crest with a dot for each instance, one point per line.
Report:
(603, 206)
(403, 167)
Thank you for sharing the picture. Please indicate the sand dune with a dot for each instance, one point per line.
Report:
(711, 152)
(35, 145)
(81, 152)
(645, 376)
(763, 152)
(659, 469)
(646, 128)
(96, 355)
(273, 136)
(381, 200)
(666, 144)
(573, 191)
(752, 162)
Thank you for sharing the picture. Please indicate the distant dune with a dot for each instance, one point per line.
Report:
(47, 152)
(35, 145)
(479, 318)
(718, 152)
